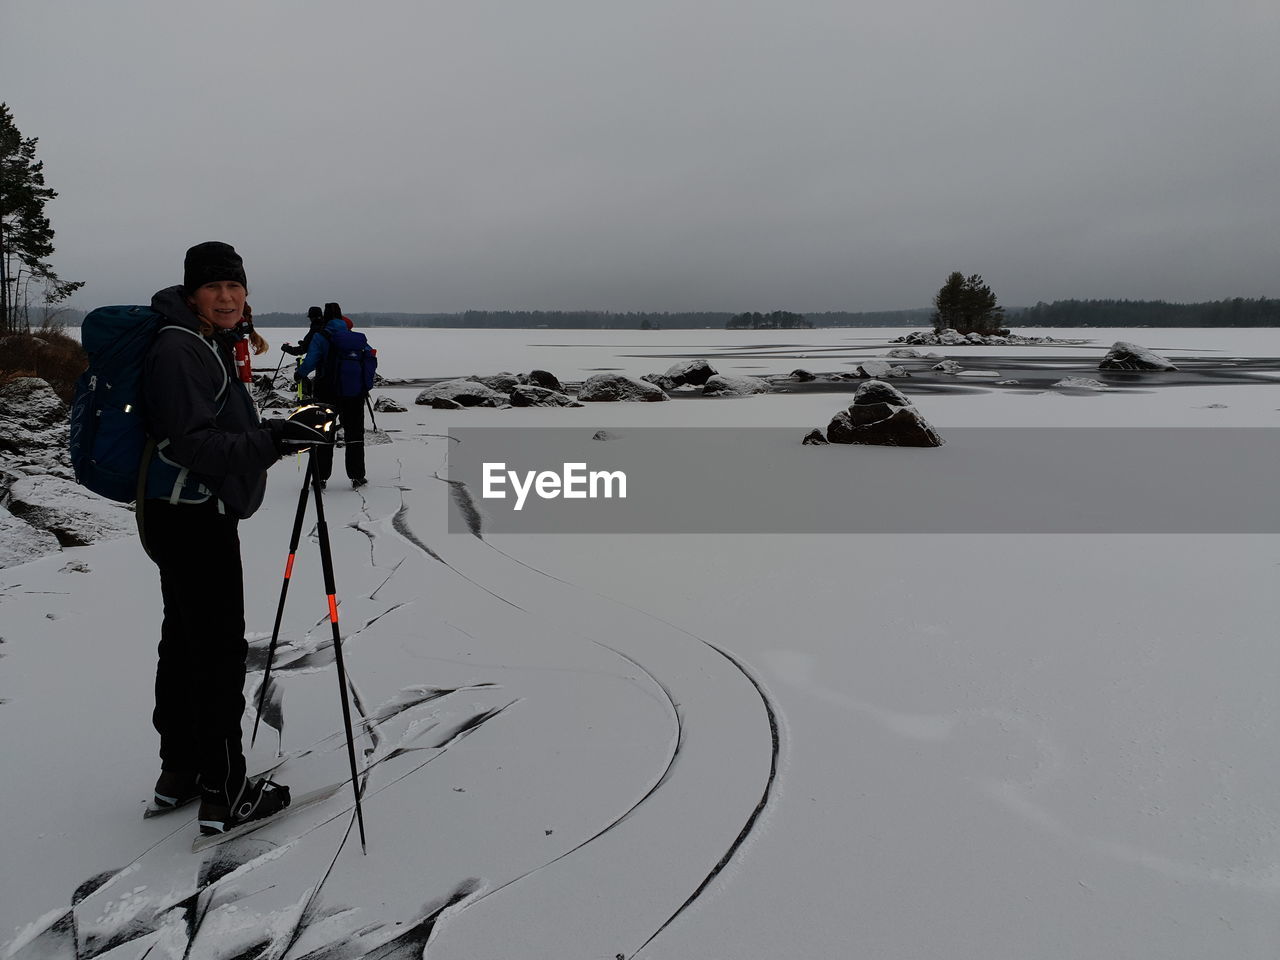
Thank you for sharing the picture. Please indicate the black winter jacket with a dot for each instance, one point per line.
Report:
(214, 432)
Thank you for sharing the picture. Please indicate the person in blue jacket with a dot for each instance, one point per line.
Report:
(350, 409)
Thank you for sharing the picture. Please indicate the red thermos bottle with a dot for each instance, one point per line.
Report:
(243, 366)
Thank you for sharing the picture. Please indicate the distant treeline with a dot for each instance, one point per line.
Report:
(1238, 312)
(602, 320)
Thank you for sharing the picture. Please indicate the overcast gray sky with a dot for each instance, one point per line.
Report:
(657, 154)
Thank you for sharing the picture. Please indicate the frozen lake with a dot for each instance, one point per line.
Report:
(960, 746)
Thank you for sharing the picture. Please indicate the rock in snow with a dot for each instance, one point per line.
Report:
(881, 368)
(466, 393)
(607, 387)
(527, 395)
(897, 427)
(502, 382)
(20, 542)
(548, 381)
(877, 391)
(722, 386)
(1080, 383)
(695, 372)
(880, 414)
(44, 508)
(33, 427)
(387, 405)
(68, 511)
(1130, 356)
(661, 381)
(947, 366)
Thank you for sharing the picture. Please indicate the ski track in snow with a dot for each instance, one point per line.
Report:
(466, 504)
(195, 907)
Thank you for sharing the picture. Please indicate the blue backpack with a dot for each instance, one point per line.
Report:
(108, 440)
(349, 364)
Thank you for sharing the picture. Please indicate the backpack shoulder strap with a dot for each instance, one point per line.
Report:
(226, 379)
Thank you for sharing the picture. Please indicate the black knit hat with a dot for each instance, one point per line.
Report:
(332, 311)
(210, 262)
(315, 313)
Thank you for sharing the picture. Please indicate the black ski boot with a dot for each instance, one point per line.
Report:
(176, 788)
(256, 800)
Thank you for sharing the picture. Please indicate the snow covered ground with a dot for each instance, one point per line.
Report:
(677, 746)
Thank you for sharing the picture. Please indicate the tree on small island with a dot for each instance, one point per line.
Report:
(967, 305)
(778, 320)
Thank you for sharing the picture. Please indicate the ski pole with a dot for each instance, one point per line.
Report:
(284, 590)
(331, 591)
(278, 366)
(372, 419)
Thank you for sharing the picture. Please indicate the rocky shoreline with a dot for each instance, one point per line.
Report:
(43, 509)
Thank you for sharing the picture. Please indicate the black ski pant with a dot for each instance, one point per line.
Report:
(351, 419)
(201, 669)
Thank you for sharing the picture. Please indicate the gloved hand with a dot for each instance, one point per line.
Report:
(309, 426)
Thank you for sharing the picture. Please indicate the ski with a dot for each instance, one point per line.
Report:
(203, 842)
(153, 811)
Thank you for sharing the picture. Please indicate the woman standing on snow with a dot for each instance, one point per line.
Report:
(205, 424)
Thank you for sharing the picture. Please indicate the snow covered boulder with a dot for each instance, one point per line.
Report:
(695, 372)
(544, 379)
(877, 391)
(1129, 356)
(951, 338)
(20, 542)
(661, 381)
(33, 420)
(614, 387)
(904, 353)
(465, 393)
(526, 395)
(387, 405)
(947, 366)
(68, 511)
(722, 386)
(918, 337)
(882, 424)
(501, 382)
(1080, 383)
(33, 432)
(802, 376)
(881, 368)
(880, 414)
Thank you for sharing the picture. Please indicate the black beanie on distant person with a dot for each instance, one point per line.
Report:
(210, 262)
(332, 311)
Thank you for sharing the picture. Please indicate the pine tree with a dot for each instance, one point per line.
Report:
(967, 305)
(26, 237)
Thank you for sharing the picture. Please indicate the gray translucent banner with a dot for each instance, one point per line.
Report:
(982, 480)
